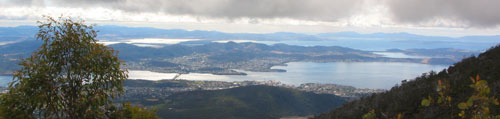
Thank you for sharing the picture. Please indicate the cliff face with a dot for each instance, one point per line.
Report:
(406, 99)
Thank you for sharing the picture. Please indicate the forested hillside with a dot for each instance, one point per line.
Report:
(406, 100)
(249, 102)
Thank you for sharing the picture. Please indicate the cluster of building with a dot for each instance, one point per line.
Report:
(153, 92)
(339, 90)
(158, 93)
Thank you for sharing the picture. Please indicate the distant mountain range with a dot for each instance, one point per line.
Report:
(222, 58)
(375, 41)
(204, 55)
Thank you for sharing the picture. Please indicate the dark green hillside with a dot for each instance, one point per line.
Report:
(250, 102)
(406, 99)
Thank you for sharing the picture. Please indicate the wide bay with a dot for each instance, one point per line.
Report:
(382, 75)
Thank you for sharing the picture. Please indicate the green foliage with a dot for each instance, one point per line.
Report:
(443, 98)
(134, 112)
(370, 115)
(463, 106)
(443, 91)
(426, 102)
(478, 106)
(69, 76)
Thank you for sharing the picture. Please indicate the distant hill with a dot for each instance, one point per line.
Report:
(250, 102)
(346, 39)
(217, 58)
(406, 99)
(205, 56)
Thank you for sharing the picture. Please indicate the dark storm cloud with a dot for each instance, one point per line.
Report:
(475, 13)
(326, 10)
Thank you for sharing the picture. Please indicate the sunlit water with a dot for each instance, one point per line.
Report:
(382, 75)
(357, 74)
(398, 55)
(4, 80)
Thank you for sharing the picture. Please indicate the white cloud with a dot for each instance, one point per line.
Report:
(255, 15)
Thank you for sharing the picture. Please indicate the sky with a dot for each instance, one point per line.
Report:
(426, 17)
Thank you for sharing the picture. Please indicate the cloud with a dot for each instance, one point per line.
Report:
(472, 13)
(6, 3)
(321, 10)
(358, 13)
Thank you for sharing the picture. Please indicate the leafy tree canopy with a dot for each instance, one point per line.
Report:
(69, 76)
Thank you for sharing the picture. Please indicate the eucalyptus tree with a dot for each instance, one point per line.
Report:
(69, 76)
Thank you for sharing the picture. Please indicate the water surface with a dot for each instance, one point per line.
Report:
(358, 74)
(4, 80)
(381, 75)
(399, 55)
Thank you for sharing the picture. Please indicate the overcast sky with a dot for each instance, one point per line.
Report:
(427, 17)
